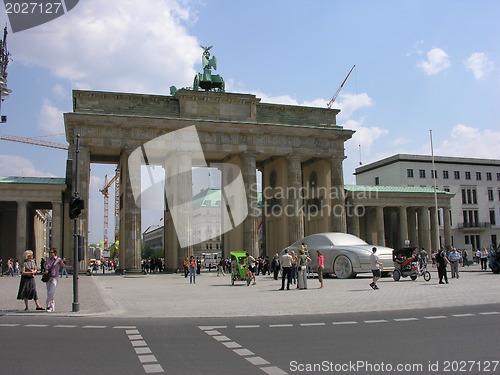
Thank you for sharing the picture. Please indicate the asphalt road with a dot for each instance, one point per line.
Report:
(450, 340)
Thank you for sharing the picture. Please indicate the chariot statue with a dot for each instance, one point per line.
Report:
(206, 80)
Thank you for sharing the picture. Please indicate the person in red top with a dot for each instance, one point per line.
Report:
(321, 267)
(192, 270)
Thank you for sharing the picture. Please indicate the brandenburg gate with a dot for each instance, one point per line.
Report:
(299, 151)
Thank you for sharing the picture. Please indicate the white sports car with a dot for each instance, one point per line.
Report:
(345, 255)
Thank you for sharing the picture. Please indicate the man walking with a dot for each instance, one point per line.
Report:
(286, 270)
(455, 260)
(442, 260)
(375, 264)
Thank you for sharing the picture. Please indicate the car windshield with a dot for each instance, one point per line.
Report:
(344, 239)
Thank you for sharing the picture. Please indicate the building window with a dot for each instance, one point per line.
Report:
(492, 217)
(498, 176)
(447, 189)
(421, 173)
(467, 240)
(409, 173)
(467, 175)
(488, 176)
(445, 175)
(469, 196)
(377, 181)
(434, 173)
(490, 194)
(478, 176)
(457, 175)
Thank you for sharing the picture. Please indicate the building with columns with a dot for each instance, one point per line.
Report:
(238, 133)
(397, 217)
(474, 211)
(24, 205)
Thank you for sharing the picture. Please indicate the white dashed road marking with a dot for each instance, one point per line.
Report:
(257, 361)
(405, 319)
(142, 350)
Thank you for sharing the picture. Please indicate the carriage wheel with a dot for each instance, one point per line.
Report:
(427, 275)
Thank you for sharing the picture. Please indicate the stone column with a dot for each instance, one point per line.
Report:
(447, 226)
(412, 227)
(380, 226)
(403, 226)
(130, 218)
(294, 211)
(353, 226)
(424, 228)
(338, 195)
(21, 229)
(434, 232)
(84, 190)
(57, 225)
(183, 204)
(250, 233)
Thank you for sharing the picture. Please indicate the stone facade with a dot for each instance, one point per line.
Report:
(232, 128)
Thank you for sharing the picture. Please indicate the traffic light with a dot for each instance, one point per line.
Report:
(76, 206)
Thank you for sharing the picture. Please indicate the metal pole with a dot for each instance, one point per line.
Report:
(434, 172)
(76, 304)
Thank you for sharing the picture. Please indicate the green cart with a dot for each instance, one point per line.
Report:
(239, 267)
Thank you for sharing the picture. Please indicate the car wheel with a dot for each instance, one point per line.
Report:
(342, 267)
(427, 275)
(396, 275)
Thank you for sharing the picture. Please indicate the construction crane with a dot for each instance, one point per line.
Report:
(105, 192)
(33, 141)
(329, 104)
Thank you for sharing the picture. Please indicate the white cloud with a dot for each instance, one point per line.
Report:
(479, 64)
(50, 118)
(116, 45)
(364, 136)
(347, 103)
(18, 166)
(350, 103)
(437, 60)
(401, 141)
(471, 142)
(60, 92)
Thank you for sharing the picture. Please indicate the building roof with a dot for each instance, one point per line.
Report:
(393, 189)
(32, 180)
(426, 159)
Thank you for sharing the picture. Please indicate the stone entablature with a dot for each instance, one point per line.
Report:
(202, 105)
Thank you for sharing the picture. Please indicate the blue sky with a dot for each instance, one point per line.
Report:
(420, 65)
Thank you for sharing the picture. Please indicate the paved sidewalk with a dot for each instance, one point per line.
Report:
(171, 295)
